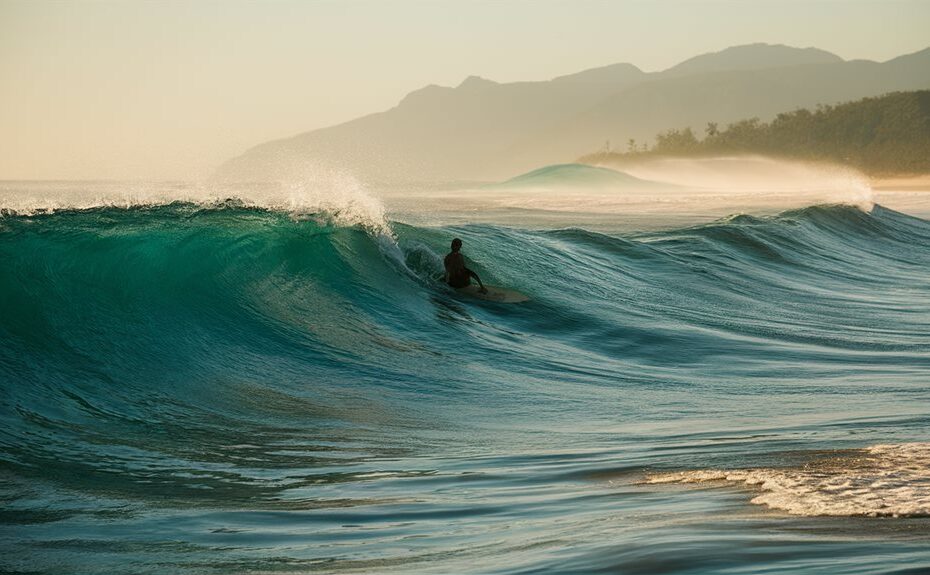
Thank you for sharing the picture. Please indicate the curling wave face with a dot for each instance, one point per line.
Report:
(193, 386)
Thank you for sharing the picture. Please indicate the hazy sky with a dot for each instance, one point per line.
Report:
(168, 90)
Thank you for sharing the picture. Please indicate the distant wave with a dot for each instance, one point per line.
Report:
(576, 175)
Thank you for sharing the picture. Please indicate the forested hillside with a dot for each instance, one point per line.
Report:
(881, 135)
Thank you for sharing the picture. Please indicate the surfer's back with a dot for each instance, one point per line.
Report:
(457, 275)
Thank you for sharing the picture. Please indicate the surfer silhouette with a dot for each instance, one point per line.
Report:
(457, 275)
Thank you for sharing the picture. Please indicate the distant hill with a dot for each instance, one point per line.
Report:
(486, 130)
(884, 135)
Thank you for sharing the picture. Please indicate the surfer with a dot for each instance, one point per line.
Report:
(457, 275)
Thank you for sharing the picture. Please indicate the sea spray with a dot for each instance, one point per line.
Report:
(756, 181)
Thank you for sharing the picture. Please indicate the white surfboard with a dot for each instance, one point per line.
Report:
(495, 294)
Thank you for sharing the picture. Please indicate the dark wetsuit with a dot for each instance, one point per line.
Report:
(457, 274)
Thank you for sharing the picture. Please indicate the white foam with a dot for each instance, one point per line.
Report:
(882, 480)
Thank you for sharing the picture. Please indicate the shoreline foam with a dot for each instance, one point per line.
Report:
(886, 480)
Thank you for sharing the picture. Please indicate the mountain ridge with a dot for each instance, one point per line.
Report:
(483, 129)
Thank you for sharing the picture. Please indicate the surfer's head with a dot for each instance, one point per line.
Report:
(456, 244)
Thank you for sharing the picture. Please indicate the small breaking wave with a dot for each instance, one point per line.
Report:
(886, 480)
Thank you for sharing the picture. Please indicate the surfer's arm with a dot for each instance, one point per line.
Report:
(474, 275)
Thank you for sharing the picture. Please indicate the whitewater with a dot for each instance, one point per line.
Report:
(723, 364)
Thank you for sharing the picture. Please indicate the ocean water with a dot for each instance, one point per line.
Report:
(284, 385)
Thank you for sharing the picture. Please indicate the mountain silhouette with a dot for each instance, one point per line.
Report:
(484, 130)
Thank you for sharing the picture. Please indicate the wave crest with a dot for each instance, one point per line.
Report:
(332, 195)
